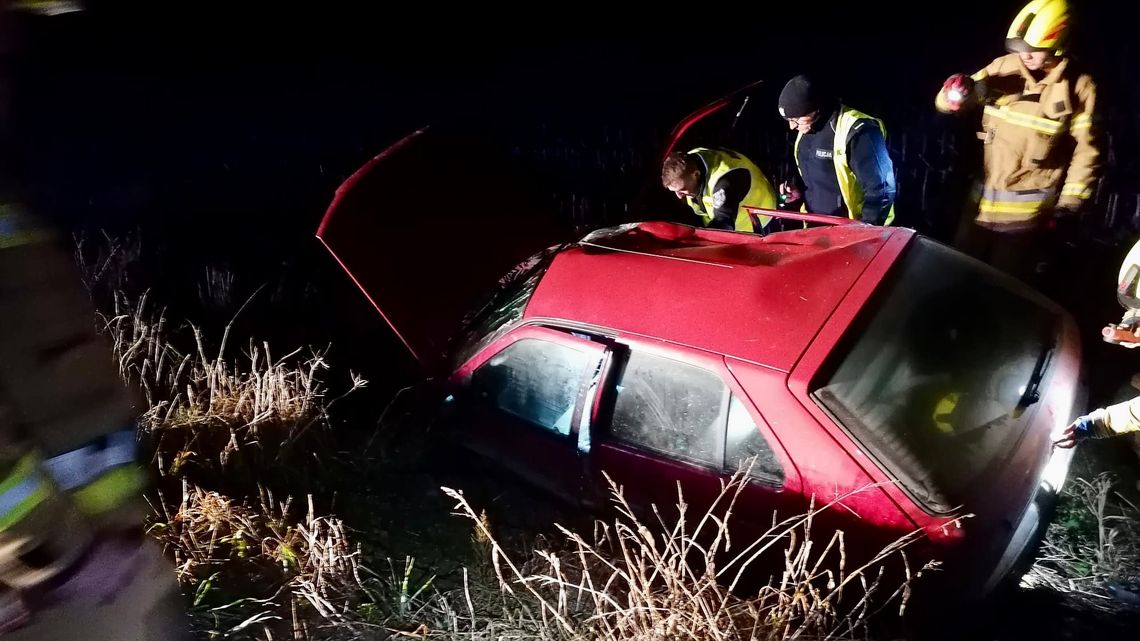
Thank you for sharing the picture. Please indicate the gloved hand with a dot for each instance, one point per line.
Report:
(790, 196)
(1081, 429)
(958, 89)
(1066, 220)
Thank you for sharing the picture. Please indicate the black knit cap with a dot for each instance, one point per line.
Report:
(800, 97)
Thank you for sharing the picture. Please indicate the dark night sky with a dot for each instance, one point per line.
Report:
(204, 114)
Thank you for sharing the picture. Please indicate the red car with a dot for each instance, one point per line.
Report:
(852, 361)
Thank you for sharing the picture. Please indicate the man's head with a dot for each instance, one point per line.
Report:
(802, 103)
(1038, 60)
(681, 174)
(1039, 32)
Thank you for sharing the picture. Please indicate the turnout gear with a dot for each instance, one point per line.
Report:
(1127, 331)
(1122, 418)
(1040, 148)
(720, 168)
(73, 560)
(1042, 25)
(1114, 420)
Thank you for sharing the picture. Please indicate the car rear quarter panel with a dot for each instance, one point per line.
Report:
(937, 527)
(828, 472)
(981, 530)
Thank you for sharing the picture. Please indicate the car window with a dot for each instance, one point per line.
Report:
(745, 441)
(503, 308)
(535, 380)
(932, 377)
(670, 407)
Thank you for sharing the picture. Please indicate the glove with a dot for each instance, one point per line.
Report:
(790, 195)
(1066, 221)
(1081, 429)
(958, 89)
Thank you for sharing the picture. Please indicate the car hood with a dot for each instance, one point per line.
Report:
(428, 225)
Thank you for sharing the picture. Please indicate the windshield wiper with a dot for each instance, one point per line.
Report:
(1033, 388)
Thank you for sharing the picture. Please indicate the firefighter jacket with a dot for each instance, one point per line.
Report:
(1122, 418)
(730, 181)
(1040, 146)
(67, 433)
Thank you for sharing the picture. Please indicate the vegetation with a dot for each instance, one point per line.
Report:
(1092, 550)
(250, 474)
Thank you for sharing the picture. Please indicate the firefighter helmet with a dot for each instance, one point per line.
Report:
(1042, 25)
(1128, 282)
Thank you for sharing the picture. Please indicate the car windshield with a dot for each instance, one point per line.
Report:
(935, 377)
(504, 307)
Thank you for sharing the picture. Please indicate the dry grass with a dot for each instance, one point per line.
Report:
(629, 584)
(1093, 543)
(210, 405)
(256, 569)
(260, 568)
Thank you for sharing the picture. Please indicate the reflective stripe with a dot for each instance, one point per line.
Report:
(1082, 121)
(110, 491)
(1022, 196)
(21, 492)
(1079, 190)
(1025, 120)
(718, 163)
(849, 186)
(1011, 208)
(82, 466)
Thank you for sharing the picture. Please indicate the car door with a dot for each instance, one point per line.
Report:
(523, 403)
(670, 415)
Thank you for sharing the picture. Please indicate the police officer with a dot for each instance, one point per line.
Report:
(717, 184)
(841, 154)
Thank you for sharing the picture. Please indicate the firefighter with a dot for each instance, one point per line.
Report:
(74, 562)
(1122, 418)
(717, 184)
(841, 155)
(1041, 154)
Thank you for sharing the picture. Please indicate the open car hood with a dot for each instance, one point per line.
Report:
(428, 226)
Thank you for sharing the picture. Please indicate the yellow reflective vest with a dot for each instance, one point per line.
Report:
(849, 186)
(717, 163)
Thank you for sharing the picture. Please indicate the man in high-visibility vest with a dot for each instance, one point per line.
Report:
(841, 153)
(717, 184)
(74, 562)
(1041, 150)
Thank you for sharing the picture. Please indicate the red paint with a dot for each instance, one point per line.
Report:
(756, 298)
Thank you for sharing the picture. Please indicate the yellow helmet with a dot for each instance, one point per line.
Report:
(1042, 25)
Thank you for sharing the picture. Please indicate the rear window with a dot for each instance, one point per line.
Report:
(937, 374)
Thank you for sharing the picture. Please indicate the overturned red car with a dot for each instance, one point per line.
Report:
(869, 366)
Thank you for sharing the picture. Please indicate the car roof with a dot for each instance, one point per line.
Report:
(757, 298)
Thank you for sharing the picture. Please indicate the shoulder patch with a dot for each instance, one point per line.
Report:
(718, 198)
